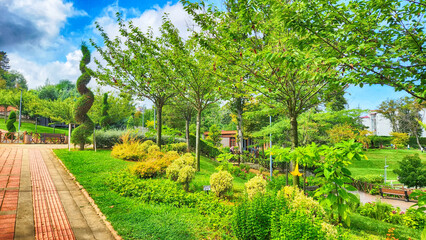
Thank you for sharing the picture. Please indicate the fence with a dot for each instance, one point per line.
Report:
(28, 138)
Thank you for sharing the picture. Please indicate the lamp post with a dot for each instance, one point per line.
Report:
(20, 110)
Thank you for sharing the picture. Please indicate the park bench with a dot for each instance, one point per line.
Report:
(52, 138)
(404, 193)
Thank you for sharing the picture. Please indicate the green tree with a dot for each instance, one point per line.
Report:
(131, 66)
(105, 119)
(81, 133)
(15, 79)
(272, 58)
(377, 42)
(10, 125)
(48, 92)
(214, 135)
(411, 171)
(388, 109)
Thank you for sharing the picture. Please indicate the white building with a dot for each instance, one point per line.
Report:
(380, 126)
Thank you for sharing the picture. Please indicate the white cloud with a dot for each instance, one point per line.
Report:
(36, 74)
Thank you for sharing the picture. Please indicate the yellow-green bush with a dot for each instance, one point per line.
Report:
(255, 186)
(186, 174)
(297, 201)
(155, 164)
(182, 169)
(153, 148)
(221, 182)
(129, 149)
(146, 145)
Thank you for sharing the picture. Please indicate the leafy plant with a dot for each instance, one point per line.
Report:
(182, 170)
(254, 186)
(10, 124)
(411, 171)
(221, 182)
(399, 139)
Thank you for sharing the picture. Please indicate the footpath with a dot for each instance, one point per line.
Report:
(39, 199)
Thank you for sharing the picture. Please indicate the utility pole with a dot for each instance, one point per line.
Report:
(386, 166)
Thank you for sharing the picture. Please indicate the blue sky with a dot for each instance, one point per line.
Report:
(42, 37)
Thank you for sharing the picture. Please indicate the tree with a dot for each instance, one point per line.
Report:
(62, 111)
(399, 139)
(105, 119)
(4, 62)
(198, 84)
(272, 58)
(15, 79)
(378, 42)
(214, 135)
(10, 125)
(84, 103)
(411, 171)
(388, 109)
(131, 66)
(48, 92)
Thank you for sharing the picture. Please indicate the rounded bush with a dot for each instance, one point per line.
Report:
(298, 202)
(221, 182)
(146, 145)
(153, 148)
(186, 174)
(10, 124)
(255, 186)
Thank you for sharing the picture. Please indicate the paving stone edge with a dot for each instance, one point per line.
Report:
(90, 199)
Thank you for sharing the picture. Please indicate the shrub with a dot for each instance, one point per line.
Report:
(255, 186)
(411, 171)
(10, 124)
(145, 145)
(221, 182)
(129, 149)
(298, 202)
(178, 147)
(150, 169)
(153, 148)
(186, 174)
(182, 170)
(206, 148)
(297, 225)
(253, 219)
(399, 139)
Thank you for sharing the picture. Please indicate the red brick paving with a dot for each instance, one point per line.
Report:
(50, 219)
(10, 169)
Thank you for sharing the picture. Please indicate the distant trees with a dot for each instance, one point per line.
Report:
(411, 171)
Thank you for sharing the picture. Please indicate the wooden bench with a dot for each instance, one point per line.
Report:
(52, 138)
(397, 192)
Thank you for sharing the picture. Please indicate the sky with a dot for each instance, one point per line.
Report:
(42, 38)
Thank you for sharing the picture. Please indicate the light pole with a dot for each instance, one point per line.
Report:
(270, 146)
(386, 166)
(20, 110)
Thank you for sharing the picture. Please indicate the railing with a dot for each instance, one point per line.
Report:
(28, 138)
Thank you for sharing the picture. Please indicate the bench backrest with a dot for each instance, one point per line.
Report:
(393, 191)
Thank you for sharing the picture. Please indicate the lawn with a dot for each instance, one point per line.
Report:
(374, 166)
(131, 218)
(134, 219)
(30, 127)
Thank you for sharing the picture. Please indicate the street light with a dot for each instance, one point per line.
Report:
(20, 110)
(386, 166)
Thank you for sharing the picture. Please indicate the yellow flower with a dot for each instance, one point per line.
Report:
(296, 171)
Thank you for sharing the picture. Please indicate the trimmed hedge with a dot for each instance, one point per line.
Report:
(376, 141)
(207, 149)
(107, 139)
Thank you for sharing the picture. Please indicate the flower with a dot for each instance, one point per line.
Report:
(401, 213)
(394, 212)
(296, 170)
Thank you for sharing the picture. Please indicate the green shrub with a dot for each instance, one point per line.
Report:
(155, 164)
(207, 149)
(146, 144)
(298, 202)
(297, 225)
(370, 179)
(411, 172)
(182, 170)
(10, 124)
(129, 149)
(152, 148)
(252, 219)
(221, 182)
(178, 147)
(256, 185)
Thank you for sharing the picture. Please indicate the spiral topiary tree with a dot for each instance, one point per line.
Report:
(10, 124)
(105, 119)
(81, 134)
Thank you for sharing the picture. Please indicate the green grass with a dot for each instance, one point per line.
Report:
(376, 162)
(131, 218)
(30, 127)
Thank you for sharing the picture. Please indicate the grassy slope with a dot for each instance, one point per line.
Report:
(133, 219)
(376, 162)
(30, 127)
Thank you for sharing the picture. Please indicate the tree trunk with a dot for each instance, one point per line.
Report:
(418, 142)
(197, 140)
(69, 135)
(187, 120)
(294, 144)
(159, 123)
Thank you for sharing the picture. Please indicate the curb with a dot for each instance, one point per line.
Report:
(90, 199)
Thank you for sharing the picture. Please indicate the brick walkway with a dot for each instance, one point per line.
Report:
(39, 200)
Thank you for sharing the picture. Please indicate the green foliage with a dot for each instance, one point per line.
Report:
(214, 135)
(152, 148)
(130, 123)
(411, 171)
(178, 147)
(221, 182)
(297, 201)
(105, 118)
(296, 225)
(256, 185)
(154, 165)
(399, 140)
(182, 170)
(130, 148)
(206, 148)
(10, 124)
(81, 134)
(370, 179)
